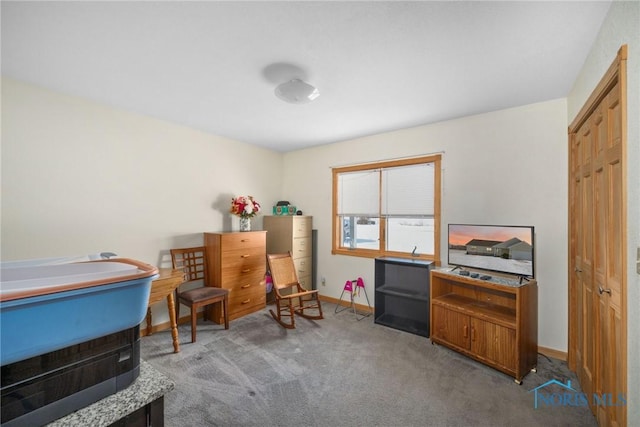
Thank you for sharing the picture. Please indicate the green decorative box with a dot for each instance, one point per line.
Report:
(284, 210)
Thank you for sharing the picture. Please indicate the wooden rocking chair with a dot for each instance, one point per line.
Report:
(288, 291)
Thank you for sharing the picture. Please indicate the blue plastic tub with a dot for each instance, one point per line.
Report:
(45, 308)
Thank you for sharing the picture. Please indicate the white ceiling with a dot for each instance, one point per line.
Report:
(379, 66)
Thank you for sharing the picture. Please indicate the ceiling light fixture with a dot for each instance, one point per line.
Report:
(295, 91)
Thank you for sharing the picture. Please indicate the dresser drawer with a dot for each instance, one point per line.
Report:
(244, 281)
(241, 293)
(301, 247)
(303, 266)
(306, 282)
(242, 257)
(301, 227)
(243, 240)
(244, 308)
(238, 299)
(231, 278)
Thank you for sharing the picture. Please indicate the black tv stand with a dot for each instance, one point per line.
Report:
(402, 294)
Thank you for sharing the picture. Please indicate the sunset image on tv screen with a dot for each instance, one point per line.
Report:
(500, 248)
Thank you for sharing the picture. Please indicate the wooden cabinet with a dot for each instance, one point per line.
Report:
(450, 326)
(402, 294)
(494, 322)
(237, 262)
(292, 233)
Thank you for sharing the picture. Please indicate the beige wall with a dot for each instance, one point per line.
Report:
(505, 167)
(81, 178)
(621, 27)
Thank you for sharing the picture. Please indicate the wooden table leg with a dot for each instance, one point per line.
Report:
(149, 331)
(171, 307)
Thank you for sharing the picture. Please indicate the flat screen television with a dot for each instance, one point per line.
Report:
(500, 248)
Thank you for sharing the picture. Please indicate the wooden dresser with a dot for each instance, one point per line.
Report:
(237, 261)
(292, 233)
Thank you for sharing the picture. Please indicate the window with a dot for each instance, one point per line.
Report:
(388, 208)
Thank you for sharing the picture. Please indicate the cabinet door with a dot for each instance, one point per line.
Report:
(494, 343)
(451, 326)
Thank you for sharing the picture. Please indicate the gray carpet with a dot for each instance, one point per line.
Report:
(342, 372)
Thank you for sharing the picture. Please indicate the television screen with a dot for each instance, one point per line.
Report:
(500, 248)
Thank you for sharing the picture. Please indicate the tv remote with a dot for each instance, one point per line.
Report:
(485, 277)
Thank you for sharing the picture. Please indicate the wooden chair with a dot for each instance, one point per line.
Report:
(287, 290)
(193, 261)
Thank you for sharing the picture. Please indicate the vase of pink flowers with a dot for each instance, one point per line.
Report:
(246, 208)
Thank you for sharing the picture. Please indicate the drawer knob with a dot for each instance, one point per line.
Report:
(244, 256)
(246, 270)
(244, 240)
(246, 286)
(246, 302)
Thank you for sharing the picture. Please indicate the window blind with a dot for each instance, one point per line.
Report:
(408, 190)
(359, 193)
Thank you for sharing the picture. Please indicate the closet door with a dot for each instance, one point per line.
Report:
(609, 261)
(597, 227)
(586, 309)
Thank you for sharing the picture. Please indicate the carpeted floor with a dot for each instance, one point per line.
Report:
(342, 372)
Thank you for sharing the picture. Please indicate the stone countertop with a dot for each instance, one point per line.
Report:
(511, 282)
(149, 386)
